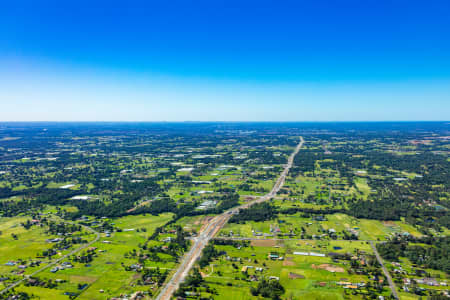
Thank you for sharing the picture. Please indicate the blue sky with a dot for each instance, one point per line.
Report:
(224, 60)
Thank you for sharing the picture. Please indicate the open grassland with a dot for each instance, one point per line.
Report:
(284, 225)
(27, 245)
(105, 276)
(303, 277)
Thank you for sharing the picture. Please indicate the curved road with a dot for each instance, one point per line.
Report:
(97, 237)
(214, 225)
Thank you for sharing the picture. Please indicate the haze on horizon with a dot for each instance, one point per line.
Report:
(225, 61)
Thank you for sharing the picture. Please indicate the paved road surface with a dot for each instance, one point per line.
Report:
(214, 225)
(385, 271)
(97, 237)
(280, 239)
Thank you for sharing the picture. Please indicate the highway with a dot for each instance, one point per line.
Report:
(214, 225)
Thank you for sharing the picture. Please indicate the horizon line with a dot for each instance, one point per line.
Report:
(225, 121)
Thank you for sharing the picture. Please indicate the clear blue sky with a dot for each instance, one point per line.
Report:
(225, 60)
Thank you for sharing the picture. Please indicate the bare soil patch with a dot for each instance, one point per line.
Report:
(249, 197)
(205, 221)
(389, 223)
(296, 276)
(263, 243)
(288, 263)
(329, 268)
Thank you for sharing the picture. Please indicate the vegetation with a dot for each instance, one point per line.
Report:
(127, 199)
(428, 252)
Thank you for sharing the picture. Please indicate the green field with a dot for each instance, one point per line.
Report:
(105, 276)
(303, 277)
(366, 229)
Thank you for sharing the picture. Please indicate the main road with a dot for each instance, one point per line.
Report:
(214, 225)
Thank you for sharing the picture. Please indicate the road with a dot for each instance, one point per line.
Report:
(51, 264)
(385, 271)
(214, 225)
(281, 239)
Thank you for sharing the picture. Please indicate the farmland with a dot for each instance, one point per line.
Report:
(102, 211)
